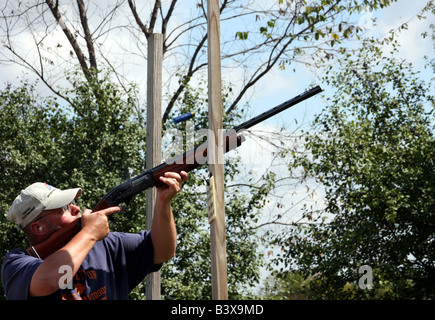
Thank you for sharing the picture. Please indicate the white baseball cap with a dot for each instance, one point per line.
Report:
(37, 198)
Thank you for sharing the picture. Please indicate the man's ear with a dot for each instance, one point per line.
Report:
(36, 228)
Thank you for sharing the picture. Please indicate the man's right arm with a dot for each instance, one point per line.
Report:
(95, 227)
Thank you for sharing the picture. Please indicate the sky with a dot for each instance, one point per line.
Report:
(280, 86)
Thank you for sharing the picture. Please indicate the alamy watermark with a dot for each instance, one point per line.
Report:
(176, 142)
(66, 280)
(256, 148)
(366, 279)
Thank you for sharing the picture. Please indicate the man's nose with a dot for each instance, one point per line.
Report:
(75, 210)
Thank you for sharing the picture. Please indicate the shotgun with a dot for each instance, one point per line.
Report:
(188, 161)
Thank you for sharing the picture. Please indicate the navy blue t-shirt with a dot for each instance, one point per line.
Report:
(113, 267)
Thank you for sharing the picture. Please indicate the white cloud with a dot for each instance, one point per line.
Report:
(413, 46)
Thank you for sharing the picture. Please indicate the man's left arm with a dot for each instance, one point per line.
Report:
(163, 230)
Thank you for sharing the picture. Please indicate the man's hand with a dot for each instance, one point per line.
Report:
(173, 183)
(96, 223)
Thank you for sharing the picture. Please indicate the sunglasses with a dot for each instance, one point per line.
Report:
(56, 211)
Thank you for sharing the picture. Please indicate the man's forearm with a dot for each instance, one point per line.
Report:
(45, 280)
(163, 232)
(95, 227)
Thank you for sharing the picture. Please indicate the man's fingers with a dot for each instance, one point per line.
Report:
(86, 211)
(174, 180)
(184, 175)
(107, 211)
(170, 181)
(180, 177)
(172, 175)
(111, 210)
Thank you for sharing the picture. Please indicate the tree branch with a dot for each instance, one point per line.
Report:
(88, 35)
(139, 22)
(183, 84)
(165, 23)
(72, 40)
(190, 72)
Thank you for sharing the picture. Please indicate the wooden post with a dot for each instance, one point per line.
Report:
(217, 218)
(154, 139)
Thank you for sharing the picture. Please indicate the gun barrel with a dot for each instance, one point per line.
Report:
(283, 106)
(196, 157)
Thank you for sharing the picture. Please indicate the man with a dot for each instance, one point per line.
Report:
(102, 264)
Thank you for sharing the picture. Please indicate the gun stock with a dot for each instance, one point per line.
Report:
(188, 161)
(61, 237)
(56, 241)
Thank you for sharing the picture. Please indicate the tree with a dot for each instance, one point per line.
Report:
(373, 150)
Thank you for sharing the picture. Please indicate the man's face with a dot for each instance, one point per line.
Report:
(57, 218)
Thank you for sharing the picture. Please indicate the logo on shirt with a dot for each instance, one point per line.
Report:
(84, 285)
